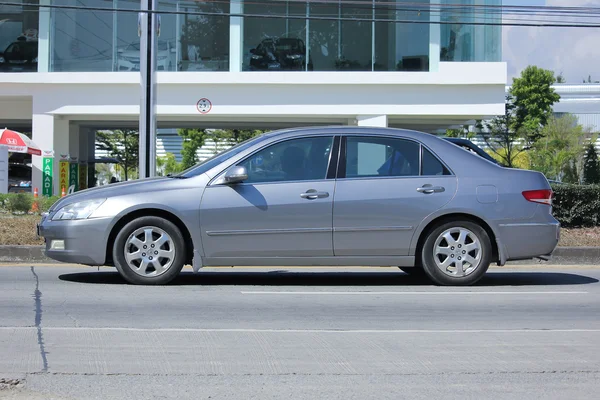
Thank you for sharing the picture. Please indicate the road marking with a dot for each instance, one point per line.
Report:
(403, 293)
(250, 330)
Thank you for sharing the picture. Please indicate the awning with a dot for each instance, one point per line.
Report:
(18, 142)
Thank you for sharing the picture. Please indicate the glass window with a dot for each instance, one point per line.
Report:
(461, 40)
(198, 42)
(376, 156)
(402, 46)
(430, 165)
(82, 40)
(325, 35)
(275, 44)
(356, 41)
(291, 160)
(19, 36)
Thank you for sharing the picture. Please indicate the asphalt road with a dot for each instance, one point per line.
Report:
(247, 333)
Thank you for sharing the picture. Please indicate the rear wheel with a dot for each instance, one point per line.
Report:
(456, 253)
(149, 251)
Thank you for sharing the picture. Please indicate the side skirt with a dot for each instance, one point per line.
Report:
(366, 261)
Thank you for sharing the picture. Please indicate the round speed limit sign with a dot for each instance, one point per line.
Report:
(204, 106)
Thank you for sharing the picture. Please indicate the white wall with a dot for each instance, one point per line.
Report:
(458, 89)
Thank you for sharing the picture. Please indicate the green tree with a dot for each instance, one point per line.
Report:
(224, 138)
(503, 141)
(122, 144)
(168, 165)
(462, 132)
(591, 166)
(558, 154)
(534, 97)
(560, 78)
(193, 139)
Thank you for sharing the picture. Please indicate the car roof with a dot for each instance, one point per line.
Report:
(454, 155)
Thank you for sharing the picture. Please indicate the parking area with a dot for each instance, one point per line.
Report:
(79, 332)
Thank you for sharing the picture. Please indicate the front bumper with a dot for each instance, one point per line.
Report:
(84, 240)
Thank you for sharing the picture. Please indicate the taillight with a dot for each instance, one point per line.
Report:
(539, 196)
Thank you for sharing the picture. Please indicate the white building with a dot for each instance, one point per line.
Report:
(321, 63)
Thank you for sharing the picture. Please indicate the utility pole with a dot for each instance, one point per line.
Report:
(148, 30)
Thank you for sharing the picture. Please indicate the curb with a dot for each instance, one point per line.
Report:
(561, 256)
(23, 254)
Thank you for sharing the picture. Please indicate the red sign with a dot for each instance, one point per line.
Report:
(204, 106)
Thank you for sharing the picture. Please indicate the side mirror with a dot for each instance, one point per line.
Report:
(236, 175)
(252, 51)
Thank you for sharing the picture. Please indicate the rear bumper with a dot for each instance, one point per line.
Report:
(524, 241)
(84, 240)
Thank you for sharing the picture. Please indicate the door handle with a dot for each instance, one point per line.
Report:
(313, 194)
(428, 189)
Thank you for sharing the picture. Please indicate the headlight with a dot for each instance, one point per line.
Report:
(294, 56)
(256, 57)
(81, 210)
(1, 59)
(35, 60)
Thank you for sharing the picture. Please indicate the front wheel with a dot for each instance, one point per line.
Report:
(456, 253)
(149, 251)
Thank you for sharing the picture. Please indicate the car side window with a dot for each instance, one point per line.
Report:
(290, 160)
(380, 156)
(430, 165)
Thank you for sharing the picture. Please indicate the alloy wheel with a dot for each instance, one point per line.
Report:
(149, 251)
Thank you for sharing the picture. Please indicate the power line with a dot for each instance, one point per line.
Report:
(337, 18)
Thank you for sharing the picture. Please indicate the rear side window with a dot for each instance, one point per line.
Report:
(367, 157)
(430, 165)
(377, 156)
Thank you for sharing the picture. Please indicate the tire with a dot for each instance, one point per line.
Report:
(463, 252)
(136, 264)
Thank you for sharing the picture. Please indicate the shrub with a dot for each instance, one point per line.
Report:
(20, 202)
(44, 203)
(3, 198)
(577, 206)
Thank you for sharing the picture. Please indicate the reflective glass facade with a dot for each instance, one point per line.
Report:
(348, 35)
(19, 36)
(463, 41)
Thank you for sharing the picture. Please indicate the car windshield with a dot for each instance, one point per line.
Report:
(215, 160)
(288, 45)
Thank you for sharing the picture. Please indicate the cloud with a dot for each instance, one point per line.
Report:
(572, 51)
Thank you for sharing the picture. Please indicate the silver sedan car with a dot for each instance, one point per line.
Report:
(322, 196)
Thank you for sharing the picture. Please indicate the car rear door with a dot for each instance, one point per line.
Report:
(386, 186)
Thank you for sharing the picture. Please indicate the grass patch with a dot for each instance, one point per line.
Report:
(20, 230)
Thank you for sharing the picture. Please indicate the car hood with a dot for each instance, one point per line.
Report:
(118, 189)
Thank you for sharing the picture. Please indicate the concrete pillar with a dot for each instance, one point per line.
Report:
(236, 32)
(50, 133)
(380, 121)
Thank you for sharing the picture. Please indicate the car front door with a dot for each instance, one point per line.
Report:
(283, 209)
(386, 186)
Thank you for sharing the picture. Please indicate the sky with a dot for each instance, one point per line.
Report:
(574, 52)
